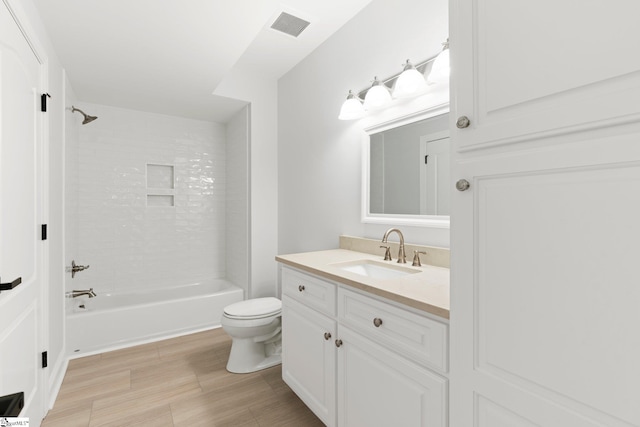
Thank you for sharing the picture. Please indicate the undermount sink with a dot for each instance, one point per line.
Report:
(375, 269)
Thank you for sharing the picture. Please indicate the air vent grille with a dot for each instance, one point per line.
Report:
(289, 24)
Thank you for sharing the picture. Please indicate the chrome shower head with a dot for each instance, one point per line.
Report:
(87, 118)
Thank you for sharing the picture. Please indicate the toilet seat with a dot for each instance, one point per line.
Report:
(256, 308)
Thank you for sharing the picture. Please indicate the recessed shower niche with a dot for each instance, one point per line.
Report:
(160, 185)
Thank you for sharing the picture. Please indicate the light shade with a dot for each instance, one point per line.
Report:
(440, 70)
(410, 83)
(378, 96)
(352, 108)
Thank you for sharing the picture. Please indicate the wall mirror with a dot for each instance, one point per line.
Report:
(406, 176)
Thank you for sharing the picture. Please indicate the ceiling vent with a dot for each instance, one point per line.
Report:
(289, 24)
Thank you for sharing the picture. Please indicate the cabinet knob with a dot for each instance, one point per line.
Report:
(301, 288)
(463, 122)
(338, 343)
(327, 336)
(462, 185)
(377, 322)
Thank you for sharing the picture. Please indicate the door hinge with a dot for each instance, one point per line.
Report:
(43, 101)
(44, 231)
(45, 362)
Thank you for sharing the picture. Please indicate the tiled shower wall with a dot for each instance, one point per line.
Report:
(128, 231)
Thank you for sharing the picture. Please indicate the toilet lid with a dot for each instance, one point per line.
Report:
(254, 308)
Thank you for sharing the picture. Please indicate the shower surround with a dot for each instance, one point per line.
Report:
(151, 201)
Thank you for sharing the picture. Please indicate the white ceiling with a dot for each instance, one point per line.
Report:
(168, 56)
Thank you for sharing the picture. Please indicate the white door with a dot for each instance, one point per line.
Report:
(533, 68)
(309, 357)
(20, 219)
(377, 388)
(545, 296)
(544, 242)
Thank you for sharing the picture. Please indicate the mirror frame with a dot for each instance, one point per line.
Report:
(433, 221)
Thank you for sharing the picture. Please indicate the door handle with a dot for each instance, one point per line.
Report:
(10, 285)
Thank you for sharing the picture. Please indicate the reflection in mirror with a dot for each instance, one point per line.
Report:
(409, 169)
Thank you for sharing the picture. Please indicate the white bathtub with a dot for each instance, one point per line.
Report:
(111, 321)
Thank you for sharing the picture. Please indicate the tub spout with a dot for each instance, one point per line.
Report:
(82, 292)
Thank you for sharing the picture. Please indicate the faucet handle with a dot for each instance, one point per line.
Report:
(387, 252)
(416, 258)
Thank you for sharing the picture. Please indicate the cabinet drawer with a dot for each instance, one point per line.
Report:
(309, 290)
(416, 337)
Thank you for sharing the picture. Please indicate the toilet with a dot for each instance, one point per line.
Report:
(254, 326)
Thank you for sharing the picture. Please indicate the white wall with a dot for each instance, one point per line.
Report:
(319, 156)
(237, 199)
(261, 92)
(128, 244)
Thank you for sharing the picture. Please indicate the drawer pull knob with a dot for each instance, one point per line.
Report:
(463, 122)
(327, 336)
(377, 322)
(301, 288)
(462, 185)
(338, 343)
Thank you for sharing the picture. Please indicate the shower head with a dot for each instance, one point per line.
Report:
(87, 119)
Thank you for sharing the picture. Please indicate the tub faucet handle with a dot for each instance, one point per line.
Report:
(76, 268)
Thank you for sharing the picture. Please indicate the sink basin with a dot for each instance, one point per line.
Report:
(375, 269)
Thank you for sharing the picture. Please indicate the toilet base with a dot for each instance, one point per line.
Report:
(250, 356)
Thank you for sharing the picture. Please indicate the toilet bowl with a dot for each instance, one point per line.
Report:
(254, 326)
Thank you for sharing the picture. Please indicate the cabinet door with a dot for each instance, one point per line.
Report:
(545, 295)
(309, 357)
(378, 388)
(528, 69)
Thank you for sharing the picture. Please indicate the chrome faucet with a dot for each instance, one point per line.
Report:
(79, 293)
(402, 259)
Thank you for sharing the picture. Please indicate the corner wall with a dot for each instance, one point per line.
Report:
(237, 197)
(319, 156)
(261, 92)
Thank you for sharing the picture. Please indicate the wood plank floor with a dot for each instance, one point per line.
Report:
(176, 382)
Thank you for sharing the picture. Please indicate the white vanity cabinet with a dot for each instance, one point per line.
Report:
(383, 365)
(308, 335)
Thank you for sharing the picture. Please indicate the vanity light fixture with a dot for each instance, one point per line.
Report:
(352, 108)
(440, 70)
(378, 96)
(410, 83)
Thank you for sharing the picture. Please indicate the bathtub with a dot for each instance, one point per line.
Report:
(118, 320)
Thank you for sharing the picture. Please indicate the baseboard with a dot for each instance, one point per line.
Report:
(56, 378)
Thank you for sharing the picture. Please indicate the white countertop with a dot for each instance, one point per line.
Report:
(427, 290)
